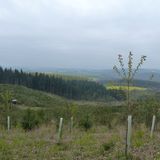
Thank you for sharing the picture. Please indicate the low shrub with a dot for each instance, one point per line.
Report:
(108, 146)
(86, 122)
(29, 120)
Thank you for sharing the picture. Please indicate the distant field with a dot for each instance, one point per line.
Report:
(132, 88)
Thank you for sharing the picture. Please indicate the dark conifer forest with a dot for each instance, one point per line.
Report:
(71, 89)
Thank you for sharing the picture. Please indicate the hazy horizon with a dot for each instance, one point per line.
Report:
(87, 34)
(48, 69)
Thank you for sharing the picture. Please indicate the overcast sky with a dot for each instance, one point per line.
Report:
(78, 33)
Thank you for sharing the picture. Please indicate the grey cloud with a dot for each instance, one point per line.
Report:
(77, 33)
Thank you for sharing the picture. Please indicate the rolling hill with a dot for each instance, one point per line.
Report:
(100, 74)
(32, 98)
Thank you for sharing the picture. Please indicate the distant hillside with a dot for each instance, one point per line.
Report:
(103, 75)
(143, 74)
(136, 83)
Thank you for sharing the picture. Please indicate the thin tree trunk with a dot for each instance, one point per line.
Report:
(128, 96)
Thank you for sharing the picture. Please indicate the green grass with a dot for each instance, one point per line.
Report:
(32, 98)
(55, 106)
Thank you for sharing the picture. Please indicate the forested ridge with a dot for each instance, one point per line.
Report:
(72, 89)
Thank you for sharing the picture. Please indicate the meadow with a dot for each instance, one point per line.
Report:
(98, 143)
(99, 128)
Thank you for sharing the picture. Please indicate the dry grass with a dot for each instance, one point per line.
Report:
(99, 143)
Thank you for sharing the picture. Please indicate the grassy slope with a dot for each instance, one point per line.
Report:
(32, 98)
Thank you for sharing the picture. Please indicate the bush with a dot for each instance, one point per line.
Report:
(108, 146)
(29, 120)
(144, 109)
(86, 122)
